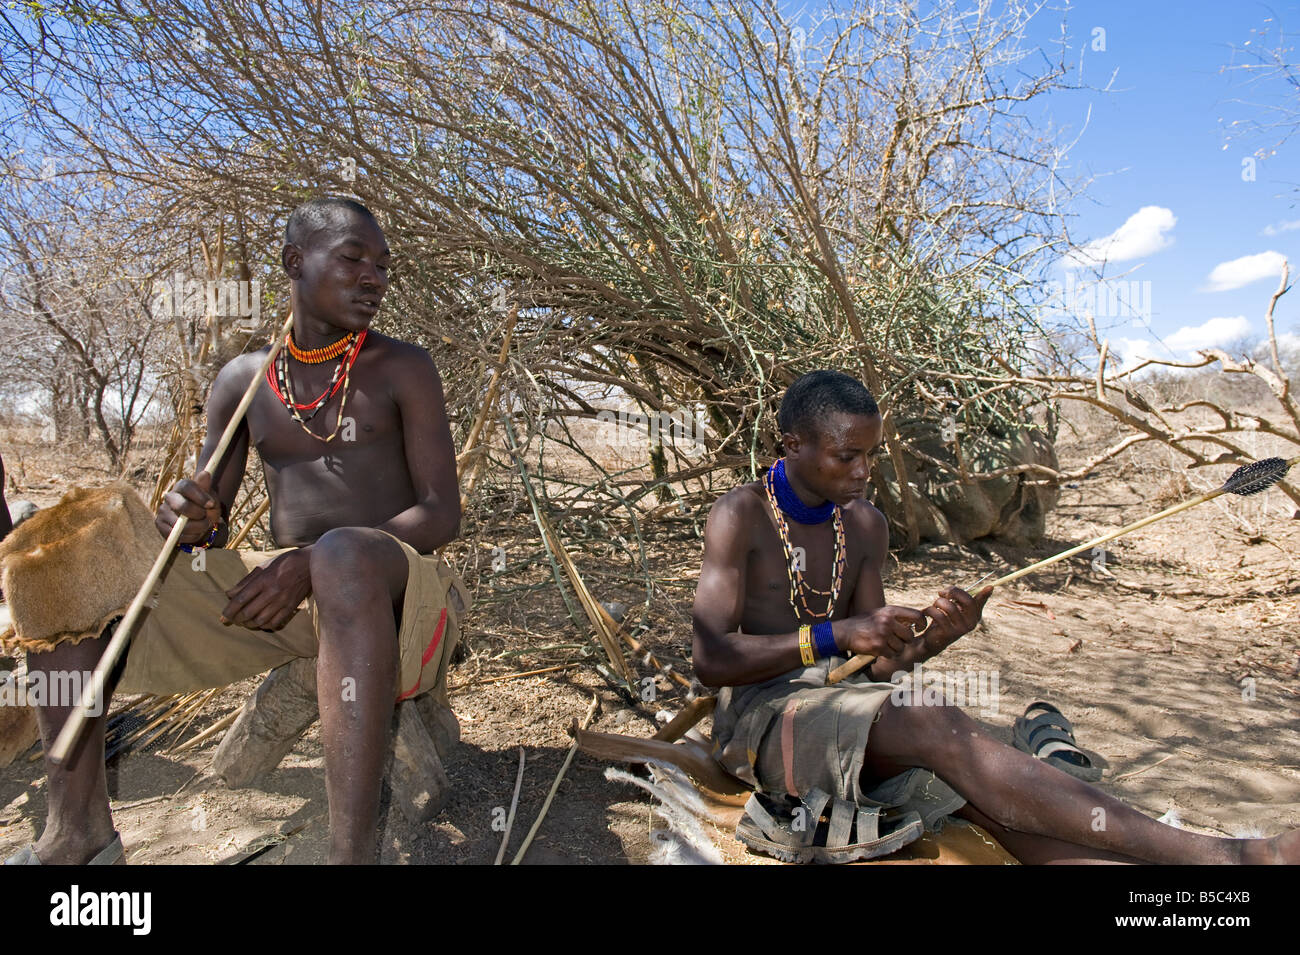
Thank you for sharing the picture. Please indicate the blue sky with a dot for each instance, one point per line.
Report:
(1170, 204)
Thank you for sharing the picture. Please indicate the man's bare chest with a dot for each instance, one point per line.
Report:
(807, 555)
(364, 419)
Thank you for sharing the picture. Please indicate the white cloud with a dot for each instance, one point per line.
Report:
(1287, 225)
(1288, 346)
(1209, 334)
(1129, 351)
(1183, 344)
(1247, 269)
(1143, 233)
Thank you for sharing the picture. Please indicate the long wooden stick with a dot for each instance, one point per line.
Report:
(250, 523)
(482, 427)
(512, 676)
(194, 712)
(117, 646)
(514, 804)
(537, 823)
(861, 660)
(207, 734)
(694, 711)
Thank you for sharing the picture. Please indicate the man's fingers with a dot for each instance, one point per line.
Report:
(946, 609)
(259, 602)
(200, 494)
(274, 614)
(934, 617)
(902, 628)
(231, 612)
(282, 619)
(235, 593)
(982, 597)
(908, 616)
(261, 619)
(256, 611)
(184, 506)
(240, 595)
(963, 600)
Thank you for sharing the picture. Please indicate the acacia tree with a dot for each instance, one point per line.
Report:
(78, 318)
(686, 204)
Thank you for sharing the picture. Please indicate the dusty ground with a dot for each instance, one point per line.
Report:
(1178, 664)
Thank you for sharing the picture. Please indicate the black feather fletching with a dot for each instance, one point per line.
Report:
(1253, 478)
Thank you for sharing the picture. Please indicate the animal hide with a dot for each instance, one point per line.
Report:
(686, 841)
(701, 828)
(73, 567)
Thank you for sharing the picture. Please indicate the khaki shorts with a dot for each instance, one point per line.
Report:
(795, 733)
(181, 645)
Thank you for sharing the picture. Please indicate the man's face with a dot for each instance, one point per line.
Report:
(837, 464)
(342, 272)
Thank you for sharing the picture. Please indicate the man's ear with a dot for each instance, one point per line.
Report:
(291, 260)
(791, 442)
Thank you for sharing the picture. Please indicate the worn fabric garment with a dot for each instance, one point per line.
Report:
(794, 733)
(182, 646)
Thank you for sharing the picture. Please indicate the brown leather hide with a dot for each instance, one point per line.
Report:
(73, 567)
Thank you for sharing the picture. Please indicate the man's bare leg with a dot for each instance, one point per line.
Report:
(78, 822)
(1032, 849)
(1025, 795)
(358, 577)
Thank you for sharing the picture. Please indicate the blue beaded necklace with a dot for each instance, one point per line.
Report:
(790, 503)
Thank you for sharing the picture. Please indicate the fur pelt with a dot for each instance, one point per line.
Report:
(73, 567)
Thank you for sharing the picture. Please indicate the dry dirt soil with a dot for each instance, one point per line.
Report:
(1177, 661)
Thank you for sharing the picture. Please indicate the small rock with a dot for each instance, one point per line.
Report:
(616, 610)
(20, 511)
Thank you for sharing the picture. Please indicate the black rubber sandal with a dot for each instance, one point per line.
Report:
(1044, 733)
(823, 829)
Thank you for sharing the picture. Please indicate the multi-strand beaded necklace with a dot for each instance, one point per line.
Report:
(784, 502)
(277, 376)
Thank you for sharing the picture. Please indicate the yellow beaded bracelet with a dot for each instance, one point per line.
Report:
(805, 646)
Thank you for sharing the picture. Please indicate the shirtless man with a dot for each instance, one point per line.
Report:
(780, 727)
(355, 512)
(6, 522)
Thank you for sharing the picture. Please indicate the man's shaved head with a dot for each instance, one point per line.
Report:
(809, 401)
(323, 213)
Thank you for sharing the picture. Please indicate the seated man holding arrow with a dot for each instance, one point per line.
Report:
(362, 485)
(790, 586)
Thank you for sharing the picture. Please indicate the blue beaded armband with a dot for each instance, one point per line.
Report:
(191, 548)
(824, 639)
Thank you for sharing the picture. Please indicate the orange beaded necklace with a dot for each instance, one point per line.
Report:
(316, 356)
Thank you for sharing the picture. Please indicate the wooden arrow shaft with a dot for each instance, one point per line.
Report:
(861, 660)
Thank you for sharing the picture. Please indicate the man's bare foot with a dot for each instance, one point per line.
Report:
(73, 848)
(1280, 850)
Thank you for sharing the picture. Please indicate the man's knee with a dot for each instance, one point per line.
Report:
(917, 729)
(354, 563)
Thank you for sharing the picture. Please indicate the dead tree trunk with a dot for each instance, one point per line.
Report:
(284, 707)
